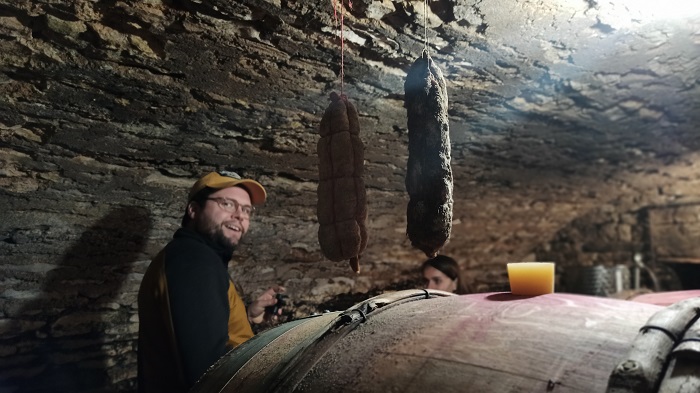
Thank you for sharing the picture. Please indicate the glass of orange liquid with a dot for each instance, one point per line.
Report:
(531, 278)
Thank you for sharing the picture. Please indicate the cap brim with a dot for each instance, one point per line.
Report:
(255, 189)
(213, 180)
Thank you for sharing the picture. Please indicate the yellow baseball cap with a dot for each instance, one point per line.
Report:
(225, 179)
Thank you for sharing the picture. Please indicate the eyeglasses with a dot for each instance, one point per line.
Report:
(232, 205)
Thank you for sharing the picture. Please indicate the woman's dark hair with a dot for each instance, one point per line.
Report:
(450, 268)
(200, 198)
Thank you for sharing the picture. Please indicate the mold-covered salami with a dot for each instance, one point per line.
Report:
(429, 174)
(342, 200)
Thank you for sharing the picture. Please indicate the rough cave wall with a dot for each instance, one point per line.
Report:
(566, 123)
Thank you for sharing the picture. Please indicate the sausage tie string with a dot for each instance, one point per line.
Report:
(338, 9)
(425, 25)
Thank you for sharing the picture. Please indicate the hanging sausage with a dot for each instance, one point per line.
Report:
(429, 174)
(342, 200)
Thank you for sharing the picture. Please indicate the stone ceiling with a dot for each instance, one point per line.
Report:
(557, 108)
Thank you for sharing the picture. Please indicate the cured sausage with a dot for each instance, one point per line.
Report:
(342, 199)
(429, 173)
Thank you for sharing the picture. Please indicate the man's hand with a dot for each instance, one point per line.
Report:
(256, 310)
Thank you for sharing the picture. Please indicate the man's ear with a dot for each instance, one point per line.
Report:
(192, 209)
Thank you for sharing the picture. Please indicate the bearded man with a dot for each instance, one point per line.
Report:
(190, 313)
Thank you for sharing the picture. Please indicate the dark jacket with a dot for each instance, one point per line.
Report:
(190, 314)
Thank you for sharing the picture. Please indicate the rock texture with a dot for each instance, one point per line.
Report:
(574, 129)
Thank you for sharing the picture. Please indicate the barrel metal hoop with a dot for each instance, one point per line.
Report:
(364, 316)
(667, 332)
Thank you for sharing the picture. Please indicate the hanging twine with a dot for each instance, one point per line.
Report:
(338, 9)
(425, 26)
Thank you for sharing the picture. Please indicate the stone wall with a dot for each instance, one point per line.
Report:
(563, 142)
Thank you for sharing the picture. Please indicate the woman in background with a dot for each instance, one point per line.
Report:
(442, 273)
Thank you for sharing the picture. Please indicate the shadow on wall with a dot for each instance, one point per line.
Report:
(86, 329)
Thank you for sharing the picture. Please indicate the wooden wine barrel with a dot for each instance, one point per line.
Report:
(432, 341)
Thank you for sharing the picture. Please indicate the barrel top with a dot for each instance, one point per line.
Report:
(666, 298)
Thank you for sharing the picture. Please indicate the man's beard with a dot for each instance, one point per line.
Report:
(218, 238)
(216, 235)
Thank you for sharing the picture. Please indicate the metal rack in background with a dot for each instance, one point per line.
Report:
(599, 280)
